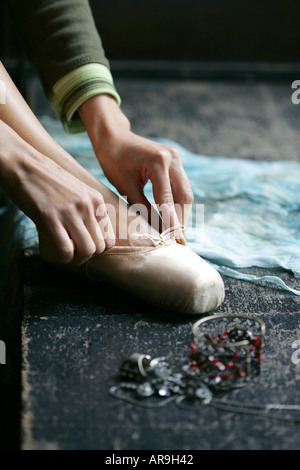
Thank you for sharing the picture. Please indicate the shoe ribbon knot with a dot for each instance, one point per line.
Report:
(163, 237)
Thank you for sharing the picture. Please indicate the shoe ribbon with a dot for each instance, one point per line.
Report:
(163, 237)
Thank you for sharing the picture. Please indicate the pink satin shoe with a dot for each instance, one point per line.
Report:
(161, 272)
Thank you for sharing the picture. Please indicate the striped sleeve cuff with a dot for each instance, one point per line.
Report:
(75, 88)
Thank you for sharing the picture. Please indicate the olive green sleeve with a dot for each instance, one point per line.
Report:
(75, 88)
(58, 36)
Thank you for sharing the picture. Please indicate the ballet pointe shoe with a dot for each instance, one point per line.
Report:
(166, 274)
(161, 272)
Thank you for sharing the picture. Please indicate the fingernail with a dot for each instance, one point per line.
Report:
(181, 239)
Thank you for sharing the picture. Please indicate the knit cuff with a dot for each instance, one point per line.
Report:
(75, 88)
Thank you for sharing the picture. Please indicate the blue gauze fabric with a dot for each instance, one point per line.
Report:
(251, 208)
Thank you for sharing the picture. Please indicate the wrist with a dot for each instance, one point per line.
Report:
(103, 119)
(17, 158)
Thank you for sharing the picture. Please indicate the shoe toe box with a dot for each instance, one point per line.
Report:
(195, 286)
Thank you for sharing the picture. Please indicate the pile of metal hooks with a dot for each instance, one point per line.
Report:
(226, 353)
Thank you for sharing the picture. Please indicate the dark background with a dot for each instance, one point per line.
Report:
(201, 30)
(190, 38)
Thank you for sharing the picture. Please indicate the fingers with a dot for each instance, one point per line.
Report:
(104, 229)
(163, 195)
(182, 191)
(55, 245)
(140, 204)
(171, 188)
(92, 233)
(85, 245)
(81, 231)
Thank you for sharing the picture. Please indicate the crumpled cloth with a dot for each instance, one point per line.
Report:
(251, 208)
(251, 214)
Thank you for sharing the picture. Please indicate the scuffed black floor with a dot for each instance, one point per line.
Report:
(76, 333)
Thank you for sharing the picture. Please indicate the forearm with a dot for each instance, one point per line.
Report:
(20, 164)
(19, 117)
(14, 153)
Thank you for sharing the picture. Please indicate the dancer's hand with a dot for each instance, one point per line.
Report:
(129, 161)
(70, 216)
